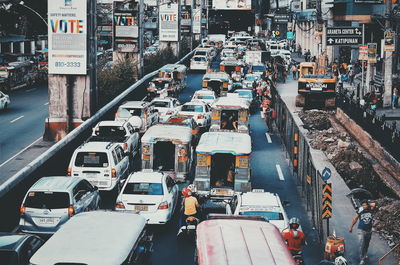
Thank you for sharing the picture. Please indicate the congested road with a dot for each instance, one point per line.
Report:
(23, 123)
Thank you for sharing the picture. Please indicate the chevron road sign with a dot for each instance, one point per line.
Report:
(327, 201)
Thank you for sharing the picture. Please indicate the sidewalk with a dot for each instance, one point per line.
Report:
(343, 211)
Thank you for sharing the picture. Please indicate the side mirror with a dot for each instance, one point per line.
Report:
(122, 181)
(285, 203)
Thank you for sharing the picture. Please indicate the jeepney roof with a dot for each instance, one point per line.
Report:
(231, 100)
(224, 142)
(173, 67)
(161, 79)
(232, 62)
(216, 75)
(241, 242)
(167, 132)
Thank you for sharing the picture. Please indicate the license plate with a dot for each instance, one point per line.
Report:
(46, 220)
(90, 175)
(94, 182)
(141, 208)
(221, 192)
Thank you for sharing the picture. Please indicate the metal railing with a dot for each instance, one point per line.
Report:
(392, 257)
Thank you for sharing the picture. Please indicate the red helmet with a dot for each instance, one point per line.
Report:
(185, 192)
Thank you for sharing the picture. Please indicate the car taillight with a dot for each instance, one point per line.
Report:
(71, 210)
(163, 206)
(113, 173)
(22, 209)
(125, 146)
(201, 117)
(119, 205)
(69, 171)
(169, 113)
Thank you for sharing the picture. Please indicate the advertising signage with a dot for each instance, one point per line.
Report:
(169, 23)
(126, 26)
(231, 4)
(67, 33)
(196, 14)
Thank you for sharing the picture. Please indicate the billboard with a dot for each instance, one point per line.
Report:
(196, 15)
(67, 33)
(231, 4)
(126, 27)
(169, 26)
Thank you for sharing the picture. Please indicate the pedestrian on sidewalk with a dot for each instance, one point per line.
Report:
(352, 74)
(395, 97)
(294, 71)
(364, 216)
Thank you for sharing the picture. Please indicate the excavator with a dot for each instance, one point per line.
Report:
(315, 85)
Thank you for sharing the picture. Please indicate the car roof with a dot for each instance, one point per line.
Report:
(112, 123)
(94, 147)
(135, 104)
(55, 184)
(204, 91)
(11, 241)
(260, 199)
(146, 177)
(231, 100)
(164, 99)
(224, 142)
(88, 238)
(167, 131)
(195, 103)
(173, 67)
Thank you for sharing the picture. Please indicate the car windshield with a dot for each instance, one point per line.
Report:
(245, 94)
(110, 131)
(160, 104)
(251, 77)
(267, 215)
(143, 189)
(199, 59)
(205, 97)
(91, 159)
(8, 257)
(128, 112)
(151, 49)
(258, 68)
(192, 108)
(47, 200)
(201, 53)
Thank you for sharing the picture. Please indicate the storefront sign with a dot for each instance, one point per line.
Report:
(372, 49)
(363, 53)
(169, 28)
(231, 4)
(67, 33)
(196, 15)
(389, 41)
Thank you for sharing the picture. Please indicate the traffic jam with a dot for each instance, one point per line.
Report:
(160, 158)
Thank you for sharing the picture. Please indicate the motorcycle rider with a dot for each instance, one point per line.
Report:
(294, 238)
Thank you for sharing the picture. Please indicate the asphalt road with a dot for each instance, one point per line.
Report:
(23, 122)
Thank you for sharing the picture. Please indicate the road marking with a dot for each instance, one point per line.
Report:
(47, 103)
(14, 120)
(30, 90)
(17, 154)
(280, 173)
(268, 138)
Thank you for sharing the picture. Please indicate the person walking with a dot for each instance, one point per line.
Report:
(364, 216)
(294, 71)
(395, 97)
(294, 238)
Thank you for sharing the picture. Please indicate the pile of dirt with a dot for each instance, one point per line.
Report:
(387, 221)
(353, 166)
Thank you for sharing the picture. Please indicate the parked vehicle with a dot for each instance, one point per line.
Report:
(235, 236)
(121, 132)
(230, 113)
(200, 111)
(223, 165)
(140, 114)
(150, 50)
(219, 82)
(51, 202)
(199, 62)
(178, 73)
(17, 249)
(4, 101)
(18, 74)
(151, 194)
(260, 203)
(166, 107)
(204, 95)
(103, 164)
(168, 148)
(100, 237)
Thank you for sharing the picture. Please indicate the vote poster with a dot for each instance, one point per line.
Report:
(126, 27)
(231, 4)
(67, 37)
(169, 23)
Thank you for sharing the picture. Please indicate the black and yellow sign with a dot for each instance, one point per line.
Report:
(327, 201)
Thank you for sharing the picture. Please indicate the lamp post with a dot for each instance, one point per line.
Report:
(34, 11)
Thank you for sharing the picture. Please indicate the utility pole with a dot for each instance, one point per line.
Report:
(387, 95)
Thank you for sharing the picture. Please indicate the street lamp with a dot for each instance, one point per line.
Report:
(34, 11)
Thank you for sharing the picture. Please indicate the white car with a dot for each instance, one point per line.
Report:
(265, 204)
(150, 50)
(166, 107)
(249, 79)
(140, 114)
(153, 195)
(4, 101)
(227, 54)
(200, 111)
(205, 95)
(199, 62)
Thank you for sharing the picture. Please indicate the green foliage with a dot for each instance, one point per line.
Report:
(155, 61)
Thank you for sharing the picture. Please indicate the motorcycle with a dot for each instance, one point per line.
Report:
(188, 230)
(298, 257)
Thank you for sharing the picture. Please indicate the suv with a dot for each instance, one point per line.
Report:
(140, 114)
(51, 201)
(121, 132)
(103, 164)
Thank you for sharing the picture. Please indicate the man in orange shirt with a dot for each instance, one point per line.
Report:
(294, 238)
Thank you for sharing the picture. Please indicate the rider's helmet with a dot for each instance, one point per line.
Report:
(185, 192)
(294, 223)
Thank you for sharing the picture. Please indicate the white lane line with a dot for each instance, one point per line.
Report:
(14, 120)
(47, 103)
(17, 154)
(280, 173)
(268, 138)
(32, 89)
